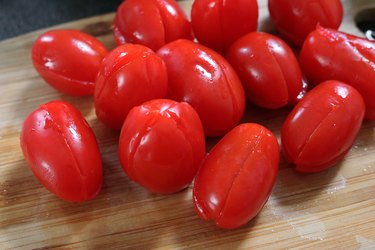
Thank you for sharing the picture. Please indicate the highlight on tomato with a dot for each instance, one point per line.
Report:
(322, 127)
(152, 23)
(61, 150)
(204, 79)
(329, 54)
(218, 23)
(162, 145)
(68, 60)
(130, 75)
(268, 69)
(295, 19)
(237, 176)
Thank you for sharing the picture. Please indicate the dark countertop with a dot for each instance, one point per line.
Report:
(22, 16)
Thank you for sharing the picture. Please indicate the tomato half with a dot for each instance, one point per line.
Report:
(295, 19)
(204, 79)
(61, 150)
(218, 23)
(152, 23)
(162, 145)
(237, 176)
(68, 60)
(322, 127)
(332, 55)
(268, 69)
(130, 75)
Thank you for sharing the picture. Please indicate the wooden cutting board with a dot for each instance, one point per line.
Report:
(333, 209)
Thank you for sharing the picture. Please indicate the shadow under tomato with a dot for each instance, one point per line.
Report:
(298, 199)
(38, 92)
(271, 119)
(172, 222)
(25, 203)
(305, 188)
(115, 211)
(267, 26)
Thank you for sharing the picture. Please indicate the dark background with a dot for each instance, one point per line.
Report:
(21, 16)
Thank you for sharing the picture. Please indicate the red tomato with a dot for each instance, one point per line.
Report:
(162, 145)
(237, 176)
(62, 151)
(68, 60)
(328, 54)
(129, 75)
(295, 19)
(152, 23)
(268, 69)
(204, 79)
(218, 23)
(322, 127)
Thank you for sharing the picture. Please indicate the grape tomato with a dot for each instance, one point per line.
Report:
(268, 69)
(237, 176)
(68, 60)
(61, 150)
(218, 23)
(295, 19)
(152, 23)
(329, 54)
(162, 145)
(130, 75)
(204, 79)
(322, 127)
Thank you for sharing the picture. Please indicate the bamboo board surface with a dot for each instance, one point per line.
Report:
(333, 209)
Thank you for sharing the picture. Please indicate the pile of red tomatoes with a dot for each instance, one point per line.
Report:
(170, 83)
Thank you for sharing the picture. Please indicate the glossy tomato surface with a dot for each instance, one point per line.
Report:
(322, 127)
(68, 60)
(218, 23)
(204, 79)
(295, 19)
(329, 54)
(130, 75)
(162, 145)
(237, 176)
(61, 150)
(268, 69)
(152, 23)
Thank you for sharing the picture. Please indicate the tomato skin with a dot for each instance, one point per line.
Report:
(237, 176)
(130, 75)
(152, 23)
(322, 127)
(68, 60)
(162, 145)
(218, 23)
(268, 69)
(328, 54)
(295, 19)
(203, 78)
(61, 150)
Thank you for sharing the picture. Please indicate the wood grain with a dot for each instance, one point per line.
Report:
(334, 209)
